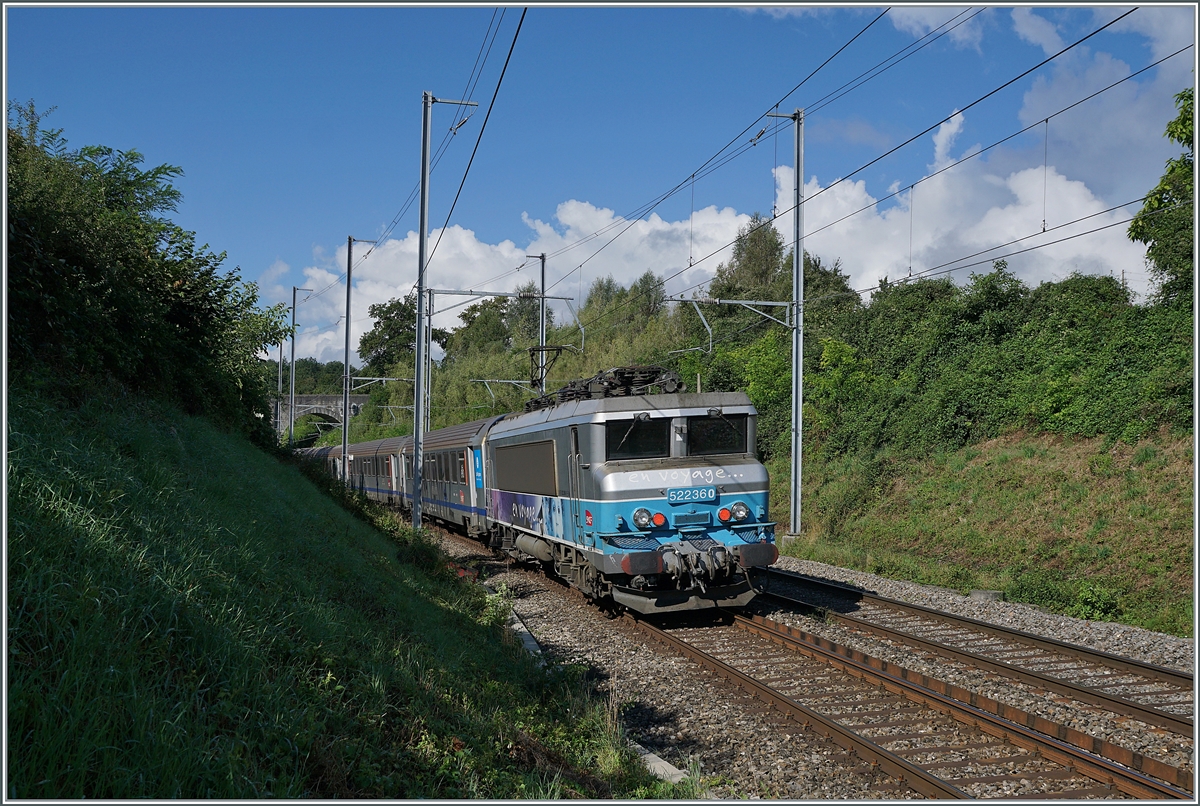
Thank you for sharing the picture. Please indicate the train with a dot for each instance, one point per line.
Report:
(635, 492)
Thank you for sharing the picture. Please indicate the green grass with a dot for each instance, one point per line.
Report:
(1094, 529)
(191, 617)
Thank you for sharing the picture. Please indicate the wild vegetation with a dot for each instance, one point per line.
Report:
(194, 615)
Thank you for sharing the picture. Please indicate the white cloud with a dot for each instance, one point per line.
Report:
(463, 262)
(781, 12)
(944, 138)
(1114, 141)
(971, 208)
(269, 286)
(1036, 30)
(920, 21)
(1168, 28)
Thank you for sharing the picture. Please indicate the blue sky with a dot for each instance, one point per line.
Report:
(299, 126)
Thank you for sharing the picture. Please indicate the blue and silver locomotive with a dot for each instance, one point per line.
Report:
(653, 501)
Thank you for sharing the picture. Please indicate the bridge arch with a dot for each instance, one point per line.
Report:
(329, 407)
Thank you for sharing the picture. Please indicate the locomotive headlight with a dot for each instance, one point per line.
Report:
(739, 511)
(641, 518)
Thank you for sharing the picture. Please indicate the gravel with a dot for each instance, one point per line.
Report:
(701, 724)
(1119, 639)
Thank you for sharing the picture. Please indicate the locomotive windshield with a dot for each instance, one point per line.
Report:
(723, 433)
(637, 439)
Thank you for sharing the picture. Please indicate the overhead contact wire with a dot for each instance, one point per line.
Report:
(478, 139)
(892, 151)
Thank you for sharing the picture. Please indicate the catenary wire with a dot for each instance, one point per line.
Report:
(876, 71)
(472, 81)
(642, 211)
(998, 142)
(482, 128)
(877, 159)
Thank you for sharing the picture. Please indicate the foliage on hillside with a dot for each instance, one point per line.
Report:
(923, 365)
(1095, 530)
(101, 285)
(189, 617)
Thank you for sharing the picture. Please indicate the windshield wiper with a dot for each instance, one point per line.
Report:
(721, 414)
(641, 418)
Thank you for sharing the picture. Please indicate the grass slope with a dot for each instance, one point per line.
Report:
(191, 617)
(1078, 526)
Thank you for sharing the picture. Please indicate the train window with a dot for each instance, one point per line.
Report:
(461, 464)
(721, 433)
(637, 439)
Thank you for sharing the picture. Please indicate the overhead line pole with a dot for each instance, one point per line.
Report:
(430, 311)
(279, 397)
(292, 372)
(542, 326)
(427, 102)
(346, 379)
(797, 324)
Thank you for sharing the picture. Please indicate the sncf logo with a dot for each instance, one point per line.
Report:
(587, 517)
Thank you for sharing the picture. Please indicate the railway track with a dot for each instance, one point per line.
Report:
(993, 749)
(1155, 695)
(933, 738)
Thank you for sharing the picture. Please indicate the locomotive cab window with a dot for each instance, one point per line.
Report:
(716, 434)
(640, 438)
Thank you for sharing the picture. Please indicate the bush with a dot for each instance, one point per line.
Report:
(1042, 587)
(101, 285)
(1095, 603)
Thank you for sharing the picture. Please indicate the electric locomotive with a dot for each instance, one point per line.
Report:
(653, 501)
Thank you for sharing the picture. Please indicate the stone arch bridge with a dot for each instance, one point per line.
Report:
(327, 407)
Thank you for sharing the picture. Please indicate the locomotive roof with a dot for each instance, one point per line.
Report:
(585, 409)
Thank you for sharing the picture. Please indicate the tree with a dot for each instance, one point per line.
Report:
(392, 340)
(605, 291)
(485, 329)
(757, 268)
(524, 312)
(646, 296)
(102, 285)
(1165, 222)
